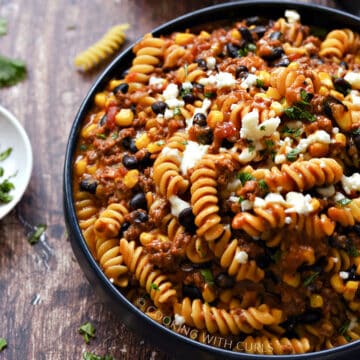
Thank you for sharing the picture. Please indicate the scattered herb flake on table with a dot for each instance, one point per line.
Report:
(3, 344)
(5, 185)
(12, 71)
(91, 356)
(88, 331)
(36, 234)
(3, 27)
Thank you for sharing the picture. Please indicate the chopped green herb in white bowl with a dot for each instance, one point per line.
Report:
(16, 161)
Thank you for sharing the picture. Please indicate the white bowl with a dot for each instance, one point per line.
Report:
(20, 161)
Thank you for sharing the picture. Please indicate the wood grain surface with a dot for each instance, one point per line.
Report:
(44, 296)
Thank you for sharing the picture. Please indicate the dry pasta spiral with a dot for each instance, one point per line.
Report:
(102, 49)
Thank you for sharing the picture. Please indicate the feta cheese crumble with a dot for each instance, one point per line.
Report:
(351, 183)
(241, 257)
(192, 154)
(219, 80)
(292, 16)
(177, 205)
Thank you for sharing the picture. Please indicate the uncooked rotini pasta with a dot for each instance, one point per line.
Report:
(102, 49)
(217, 184)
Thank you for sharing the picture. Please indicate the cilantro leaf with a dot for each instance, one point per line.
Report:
(244, 177)
(3, 27)
(344, 328)
(288, 131)
(177, 111)
(154, 286)
(208, 276)
(259, 83)
(3, 344)
(292, 154)
(11, 71)
(297, 113)
(311, 278)
(344, 202)
(36, 234)
(92, 356)
(87, 330)
(263, 185)
(5, 154)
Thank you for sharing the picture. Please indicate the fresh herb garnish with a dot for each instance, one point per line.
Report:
(88, 330)
(356, 131)
(269, 143)
(241, 199)
(101, 136)
(294, 132)
(154, 286)
(292, 154)
(3, 27)
(209, 95)
(244, 177)
(251, 148)
(208, 276)
(177, 111)
(263, 185)
(259, 83)
(305, 97)
(5, 187)
(83, 147)
(297, 113)
(92, 356)
(36, 234)
(311, 278)
(3, 344)
(5, 154)
(262, 127)
(344, 328)
(11, 71)
(245, 50)
(344, 202)
(114, 135)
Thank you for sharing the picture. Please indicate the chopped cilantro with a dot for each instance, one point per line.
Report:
(209, 95)
(295, 132)
(3, 344)
(251, 148)
(297, 113)
(292, 154)
(177, 111)
(154, 286)
(259, 83)
(311, 278)
(3, 27)
(88, 331)
(263, 185)
(262, 127)
(83, 147)
(114, 135)
(344, 328)
(269, 143)
(11, 71)
(36, 234)
(356, 131)
(101, 136)
(245, 50)
(305, 97)
(92, 356)
(241, 199)
(244, 177)
(208, 276)
(344, 202)
(5, 154)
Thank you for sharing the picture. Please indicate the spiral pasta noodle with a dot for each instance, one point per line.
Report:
(102, 49)
(216, 183)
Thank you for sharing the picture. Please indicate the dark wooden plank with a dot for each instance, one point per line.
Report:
(44, 296)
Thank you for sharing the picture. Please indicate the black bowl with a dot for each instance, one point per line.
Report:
(130, 314)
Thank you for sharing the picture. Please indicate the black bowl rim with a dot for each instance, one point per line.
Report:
(88, 264)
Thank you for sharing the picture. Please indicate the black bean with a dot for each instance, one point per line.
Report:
(192, 292)
(146, 160)
(138, 201)
(201, 63)
(200, 119)
(158, 107)
(232, 50)
(88, 185)
(330, 104)
(246, 34)
(129, 144)
(124, 87)
(124, 227)
(356, 229)
(103, 120)
(344, 64)
(259, 30)
(227, 144)
(276, 35)
(356, 139)
(309, 317)
(275, 54)
(188, 98)
(206, 137)
(224, 281)
(133, 108)
(342, 86)
(271, 276)
(141, 217)
(241, 72)
(256, 20)
(130, 161)
(187, 220)
(198, 87)
(186, 266)
(263, 261)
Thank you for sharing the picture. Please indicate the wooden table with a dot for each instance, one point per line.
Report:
(44, 296)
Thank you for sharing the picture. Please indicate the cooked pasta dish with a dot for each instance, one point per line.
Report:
(216, 182)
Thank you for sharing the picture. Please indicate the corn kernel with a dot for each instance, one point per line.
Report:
(142, 141)
(325, 80)
(155, 147)
(183, 38)
(214, 117)
(323, 90)
(265, 77)
(80, 166)
(204, 35)
(337, 95)
(131, 178)
(146, 238)
(318, 149)
(316, 301)
(100, 99)
(86, 131)
(273, 93)
(208, 294)
(124, 117)
(292, 279)
(293, 66)
(114, 83)
(235, 34)
(277, 108)
(91, 169)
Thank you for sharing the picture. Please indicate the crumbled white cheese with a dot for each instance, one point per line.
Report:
(353, 322)
(233, 185)
(300, 203)
(249, 81)
(353, 79)
(327, 191)
(246, 205)
(319, 136)
(179, 320)
(292, 16)
(338, 196)
(259, 202)
(355, 97)
(334, 259)
(252, 130)
(241, 257)
(187, 85)
(171, 92)
(192, 154)
(335, 130)
(175, 153)
(211, 63)
(247, 155)
(288, 220)
(344, 275)
(177, 205)
(351, 183)
(168, 114)
(219, 80)
(155, 81)
(173, 103)
(279, 158)
(271, 198)
(234, 198)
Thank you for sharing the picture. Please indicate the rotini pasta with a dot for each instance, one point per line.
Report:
(217, 184)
